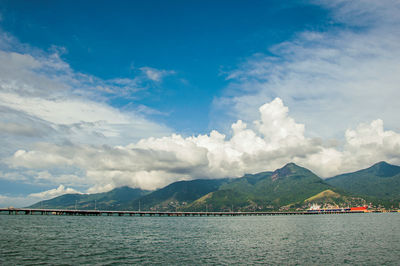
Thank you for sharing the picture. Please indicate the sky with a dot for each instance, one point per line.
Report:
(96, 95)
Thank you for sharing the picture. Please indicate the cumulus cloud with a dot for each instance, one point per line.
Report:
(61, 190)
(331, 79)
(268, 143)
(370, 141)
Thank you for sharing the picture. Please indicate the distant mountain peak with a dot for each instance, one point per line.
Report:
(381, 181)
(284, 171)
(291, 169)
(380, 164)
(384, 169)
(290, 165)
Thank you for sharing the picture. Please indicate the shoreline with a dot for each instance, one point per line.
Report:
(29, 211)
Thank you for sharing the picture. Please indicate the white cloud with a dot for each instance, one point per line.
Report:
(370, 141)
(364, 12)
(272, 141)
(64, 111)
(156, 74)
(19, 129)
(38, 159)
(277, 126)
(61, 190)
(82, 119)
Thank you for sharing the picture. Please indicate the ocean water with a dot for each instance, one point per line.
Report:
(353, 239)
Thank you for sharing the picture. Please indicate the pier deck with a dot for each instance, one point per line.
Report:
(28, 211)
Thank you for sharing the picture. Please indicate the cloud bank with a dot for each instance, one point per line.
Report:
(268, 143)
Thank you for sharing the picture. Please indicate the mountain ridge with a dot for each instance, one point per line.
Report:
(290, 186)
(379, 181)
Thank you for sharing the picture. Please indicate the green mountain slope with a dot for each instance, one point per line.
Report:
(289, 185)
(331, 199)
(113, 200)
(177, 194)
(382, 180)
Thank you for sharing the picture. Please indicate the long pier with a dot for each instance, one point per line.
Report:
(28, 211)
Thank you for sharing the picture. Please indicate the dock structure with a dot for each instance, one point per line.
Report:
(28, 211)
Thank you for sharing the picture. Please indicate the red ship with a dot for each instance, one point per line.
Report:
(364, 208)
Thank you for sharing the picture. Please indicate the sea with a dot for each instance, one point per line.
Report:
(334, 239)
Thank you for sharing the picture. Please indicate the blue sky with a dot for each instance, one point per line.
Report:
(199, 41)
(96, 95)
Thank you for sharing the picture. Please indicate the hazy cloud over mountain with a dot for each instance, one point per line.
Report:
(155, 162)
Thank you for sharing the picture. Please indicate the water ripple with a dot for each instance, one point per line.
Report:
(357, 239)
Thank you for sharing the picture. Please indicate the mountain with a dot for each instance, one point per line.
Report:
(288, 186)
(177, 195)
(112, 200)
(380, 181)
